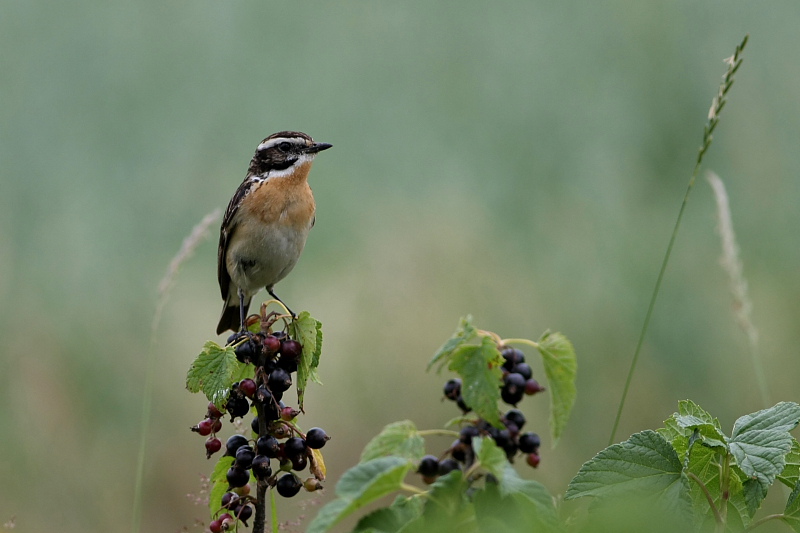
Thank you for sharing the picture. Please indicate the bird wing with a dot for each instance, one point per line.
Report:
(225, 232)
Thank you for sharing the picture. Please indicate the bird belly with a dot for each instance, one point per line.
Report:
(265, 257)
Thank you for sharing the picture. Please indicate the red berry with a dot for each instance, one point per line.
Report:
(272, 344)
(213, 412)
(288, 413)
(213, 445)
(533, 459)
(532, 387)
(291, 349)
(215, 526)
(216, 426)
(248, 387)
(204, 427)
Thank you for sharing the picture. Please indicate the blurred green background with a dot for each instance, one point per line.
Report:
(522, 161)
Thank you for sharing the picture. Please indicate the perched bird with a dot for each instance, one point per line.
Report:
(266, 224)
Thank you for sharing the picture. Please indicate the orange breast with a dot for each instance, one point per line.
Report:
(285, 200)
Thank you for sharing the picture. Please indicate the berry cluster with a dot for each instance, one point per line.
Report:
(517, 382)
(275, 436)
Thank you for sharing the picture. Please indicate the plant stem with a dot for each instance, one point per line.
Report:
(713, 118)
(440, 432)
(409, 488)
(717, 517)
(760, 521)
(260, 521)
(529, 342)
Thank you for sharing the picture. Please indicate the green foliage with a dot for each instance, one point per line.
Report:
(214, 371)
(479, 368)
(697, 472)
(308, 331)
(219, 484)
(400, 439)
(560, 366)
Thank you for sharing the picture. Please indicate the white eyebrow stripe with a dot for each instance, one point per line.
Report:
(273, 142)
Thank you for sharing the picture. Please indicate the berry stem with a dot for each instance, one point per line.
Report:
(441, 432)
(411, 488)
(506, 342)
(709, 497)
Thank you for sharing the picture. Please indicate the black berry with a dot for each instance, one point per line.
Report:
(237, 477)
(244, 457)
(316, 438)
(268, 446)
(447, 466)
(529, 442)
(523, 369)
(467, 433)
(288, 485)
(291, 349)
(279, 380)
(294, 447)
(516, 417)
(452, 389)
(261, 467)
(428, 466)
(234, 443)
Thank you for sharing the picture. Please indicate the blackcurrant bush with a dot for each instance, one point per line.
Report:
(234, 443)
(448, 465)
(294, 446)
(247, 387)
(523, 369)
(316, 438)
(288, 485)
(268, 446)
(529, 442)
(291, 349)
(279, 380)
(452, 389)
(237, 477)
(272, 344)
(516, 417)
(428, 466)
(213, 445)
(261, 468)
(244, 457)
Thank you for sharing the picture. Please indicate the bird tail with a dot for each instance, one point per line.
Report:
(230, 319)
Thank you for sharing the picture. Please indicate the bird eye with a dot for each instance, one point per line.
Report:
(284, 147)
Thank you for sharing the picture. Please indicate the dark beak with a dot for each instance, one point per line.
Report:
(317, 147)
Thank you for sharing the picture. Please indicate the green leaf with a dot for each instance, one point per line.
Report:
(490, 456)
(400, 439)
(644, 464)
(219, 484)
(792, 511)
(528, 509)
(691, 416)
(704, 462)
(464, 333)
(446, 505)
(760, 443)
(791, 472)
(213, 372)
(479, 368)
(391, 519)
(560, 366)
(360, 486)
(308, 332)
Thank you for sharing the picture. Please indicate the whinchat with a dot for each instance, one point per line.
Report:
(266, 224)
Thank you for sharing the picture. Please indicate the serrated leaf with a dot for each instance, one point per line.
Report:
(391, 519)
(219, 484)
(791, 514)
(644, 464)
(400, 439)
(464, 333)
(446, 505)
(529, 508)
(213, 372)
(479, 368)
(560, 366)
(308, 332)
(760, 443)
(490, 456)
(360, 486)
(791, 472)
